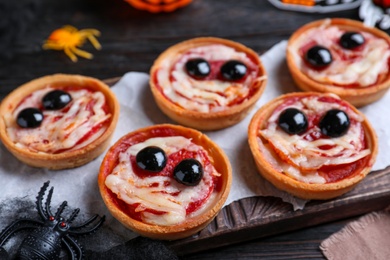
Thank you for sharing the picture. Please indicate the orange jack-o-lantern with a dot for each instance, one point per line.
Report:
(156, 6)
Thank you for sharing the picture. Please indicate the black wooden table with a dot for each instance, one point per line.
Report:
(131, 40)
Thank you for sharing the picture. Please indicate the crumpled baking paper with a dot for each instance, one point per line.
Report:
(79, 186)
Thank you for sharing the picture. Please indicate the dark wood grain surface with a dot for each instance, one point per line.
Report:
(131, 40)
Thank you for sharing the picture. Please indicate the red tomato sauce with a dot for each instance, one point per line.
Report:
(331, 173)
(89, 108)
(334, 173)
(215, 74)
(338, 54)
(173, 159)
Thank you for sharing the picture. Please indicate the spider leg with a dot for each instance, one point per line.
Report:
(72, 244)
(16, 226)
(91, 34)
(90, 31)
(41, 212)
(84, 229)
(48, 201)
(52, 45)
(81, 53)
(94, 41)
(61, 209)
(69, 52)
(70, 250)
(73, 216)
(86, 223)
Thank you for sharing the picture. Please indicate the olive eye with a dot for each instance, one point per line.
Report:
(56, 99)
(29, 118)
(334, 123)
(233, 70)
(198, 68)
(351, 40)
(318, 56)
(151, 158)
(188, 172)
(293, 121)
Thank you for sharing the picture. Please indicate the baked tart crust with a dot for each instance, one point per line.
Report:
(192, 223)
(206, 120)
(357, 96)
(65, 159)
(299, 188)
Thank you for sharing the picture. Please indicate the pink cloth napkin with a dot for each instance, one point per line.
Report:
(365, 238)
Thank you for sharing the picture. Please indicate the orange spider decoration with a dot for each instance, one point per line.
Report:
(68, 38)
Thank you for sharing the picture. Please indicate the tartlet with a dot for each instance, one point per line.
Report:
(312, 145)
(351, 59)
(156, 204)
(73, 127)
(207, 83)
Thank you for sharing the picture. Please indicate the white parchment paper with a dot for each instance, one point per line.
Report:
(79, 186)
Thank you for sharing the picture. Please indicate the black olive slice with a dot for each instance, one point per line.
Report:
(198, 68)
(56, 99)
(334, 123)
(151, 158)
(29, 118)
(351, 40)
(233, 70)
(293, 121)
(188, 172)
(318, 57)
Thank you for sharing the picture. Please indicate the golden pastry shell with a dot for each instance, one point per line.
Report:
(67, 159)
(356, 96)
(191, 225)
(211, 120)
(295, 187)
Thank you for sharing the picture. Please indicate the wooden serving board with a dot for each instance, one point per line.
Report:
(258, 217)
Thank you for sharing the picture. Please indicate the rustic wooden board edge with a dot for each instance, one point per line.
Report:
(258, 217)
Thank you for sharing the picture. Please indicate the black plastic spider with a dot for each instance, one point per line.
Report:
(47, 237)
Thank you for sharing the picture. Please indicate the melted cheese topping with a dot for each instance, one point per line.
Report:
(305, 153)
(360, 67)
(160, 193)
(204, 95)
(61, 130)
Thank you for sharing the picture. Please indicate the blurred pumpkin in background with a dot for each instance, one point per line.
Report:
(156, 6)
(382, 3)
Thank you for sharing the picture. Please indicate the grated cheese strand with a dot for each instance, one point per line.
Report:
(307, 155)
(152, 192)
(360, 67)
(204, 95)
(61, 129)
